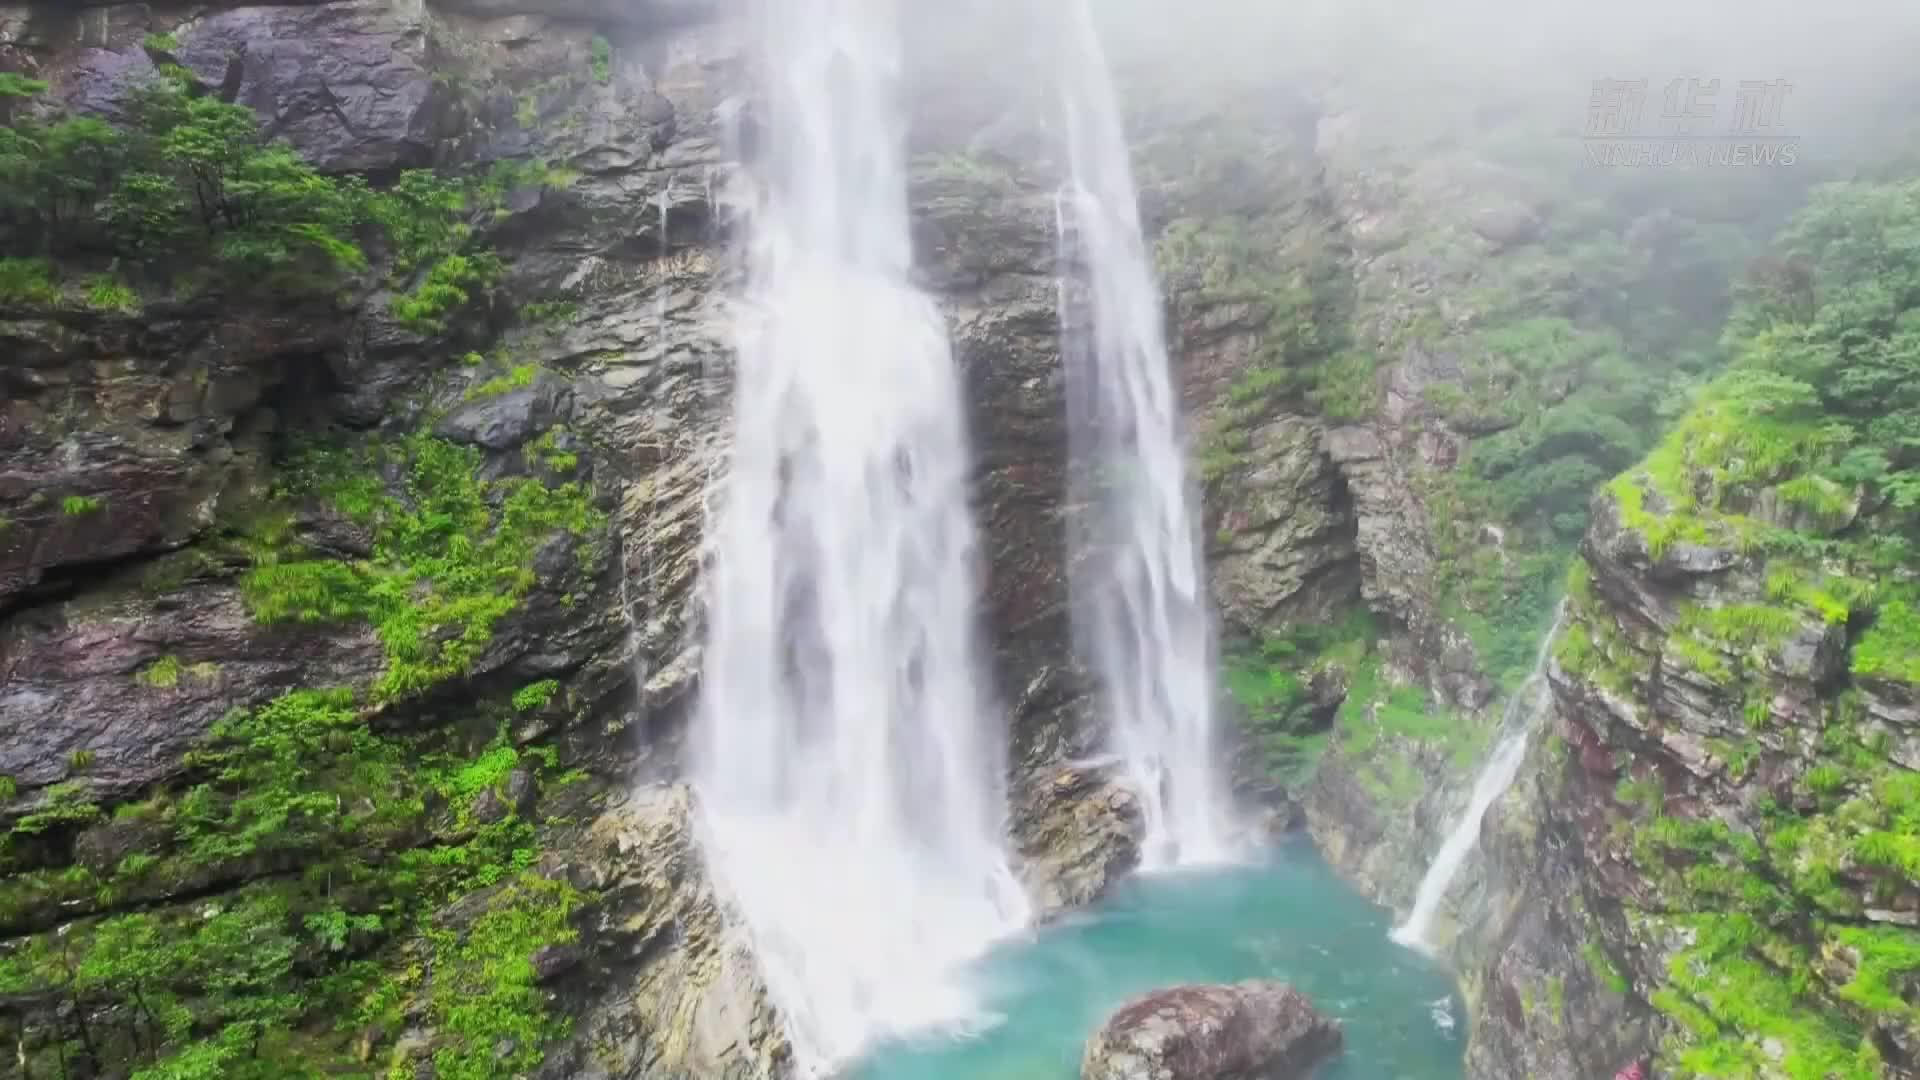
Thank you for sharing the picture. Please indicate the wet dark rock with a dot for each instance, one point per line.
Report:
(345, 82)
(1682, 557)
(501, 421)
(550, 962)
(130, 684)
(677, 997)
(100, 848)
(1814, 652)
(1247, 1031)
(1080, 832)
(335, 534)
(1398, 575)
(121, 437)
(100, 79)
(1894, 708)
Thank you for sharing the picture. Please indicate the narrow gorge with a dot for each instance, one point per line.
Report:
(737, 540)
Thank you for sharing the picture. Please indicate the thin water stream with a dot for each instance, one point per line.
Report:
(1518, 721)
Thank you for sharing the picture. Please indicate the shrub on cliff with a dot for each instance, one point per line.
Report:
(190, 192)
(1804, 457)
(188, 181)
(385, 893)
(1841, 319)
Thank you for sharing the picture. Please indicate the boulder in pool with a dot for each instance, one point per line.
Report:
(1245, 1031)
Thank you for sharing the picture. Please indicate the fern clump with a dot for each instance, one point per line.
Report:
(452, 554)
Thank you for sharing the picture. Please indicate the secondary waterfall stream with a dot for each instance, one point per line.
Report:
(1517, 723)
(1139, 579)
(849, 770)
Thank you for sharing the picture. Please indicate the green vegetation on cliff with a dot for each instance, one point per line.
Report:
(189, 195)
(348, 874)
(340, 847)
(1270, 689)
(189, 182)
(1582, 345)
(1515, 328)
(328, 872)
(1818, 420)
(336, 880)
(1323, 687)
(451, 554)
(1802, 462)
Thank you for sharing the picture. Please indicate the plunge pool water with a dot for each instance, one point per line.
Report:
(1286, 916)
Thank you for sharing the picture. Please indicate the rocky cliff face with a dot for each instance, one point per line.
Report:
(1704, 865)
(1317, 318)
(1406, 372)
(146, 456)
(1387, 467)
(153, 470)
(1673, 796)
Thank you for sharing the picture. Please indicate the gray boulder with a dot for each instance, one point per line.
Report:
(504, 420)
(1255, 1030)
(100, 79)
(346, 83)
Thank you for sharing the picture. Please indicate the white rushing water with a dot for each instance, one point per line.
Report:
(1517, 723)
(848, 767)
(1139, 577)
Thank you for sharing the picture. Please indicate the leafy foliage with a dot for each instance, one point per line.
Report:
(427, 221)
(534, 695)
(272, 979)
(27, 281)
(1891, 646)
(190, 188)
(163, 673)
(189, 179)
(513, 378)
(1797, 457)
(1268, 686)
(108, 294)
(448, 286)
(1373, 721)
(485, 983)
(451, 555)
(1822, 398)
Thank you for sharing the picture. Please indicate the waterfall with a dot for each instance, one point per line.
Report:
(1517, 723)
(848, 766)
(1139, 580)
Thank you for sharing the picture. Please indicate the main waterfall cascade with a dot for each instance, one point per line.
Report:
(1517, 723)
(848, 767)
(1139, 580)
